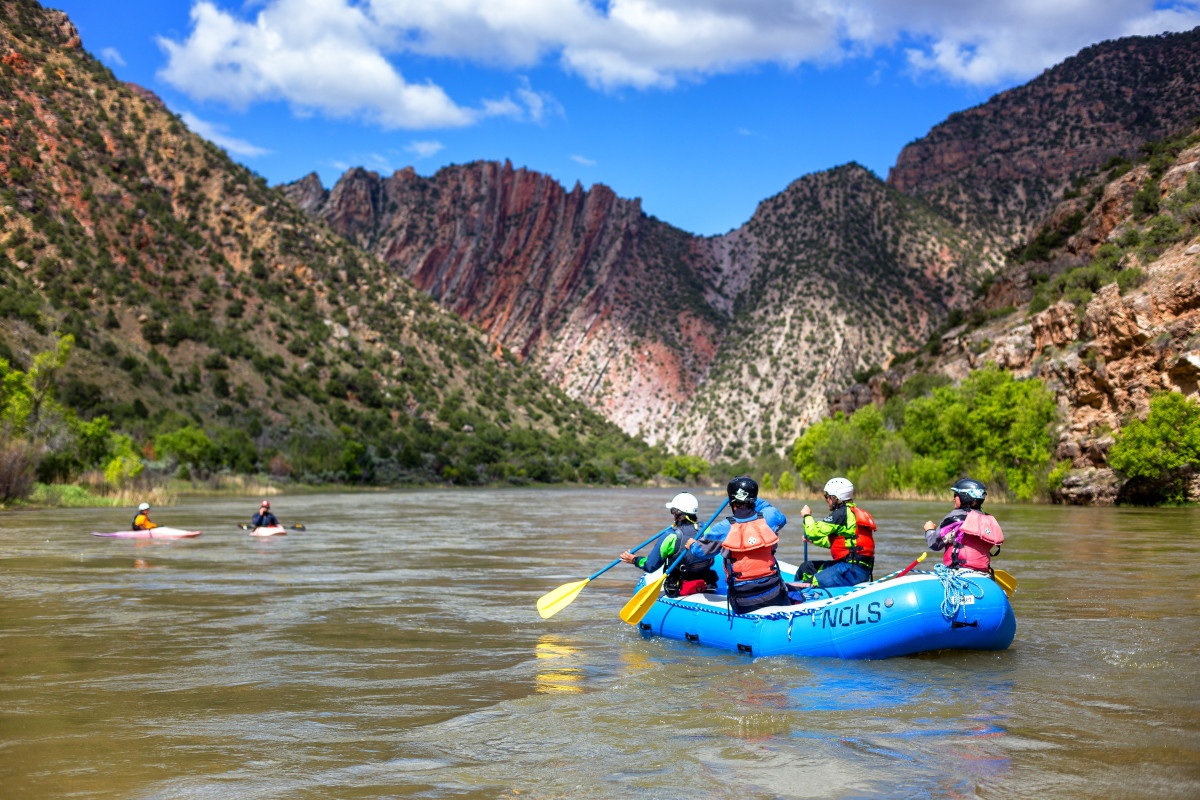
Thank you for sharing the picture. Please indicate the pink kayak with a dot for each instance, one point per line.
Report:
(154, 533)
(270, 530)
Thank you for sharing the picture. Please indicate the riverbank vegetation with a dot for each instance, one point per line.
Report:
(992, 427)
(56, 454)
(1161, 455)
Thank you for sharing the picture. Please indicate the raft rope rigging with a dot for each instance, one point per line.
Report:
(954, 589)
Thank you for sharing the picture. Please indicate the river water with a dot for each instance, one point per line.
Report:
(392, 649)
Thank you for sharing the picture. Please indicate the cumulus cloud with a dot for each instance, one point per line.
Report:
(216, 134)
(340, 57)
(317, 55)
(425, 149)
(113, 56)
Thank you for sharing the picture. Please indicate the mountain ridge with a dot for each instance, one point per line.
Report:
(198, 296)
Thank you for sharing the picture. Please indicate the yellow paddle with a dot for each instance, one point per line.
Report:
(553, 602)
(1007, 582)
(641, 602)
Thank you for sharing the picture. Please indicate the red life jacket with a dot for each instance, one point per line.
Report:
(973, 543)
(861, 544)
(750, 549)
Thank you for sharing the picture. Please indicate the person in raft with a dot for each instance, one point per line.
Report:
(141, 520)
(969, 537)
(692, 576)
(747, 541)
(848, 532)
(264, 518)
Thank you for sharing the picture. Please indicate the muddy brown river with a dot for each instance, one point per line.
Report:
(392, 649)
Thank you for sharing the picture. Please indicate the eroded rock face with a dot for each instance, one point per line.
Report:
(607, 300)
(716, 345)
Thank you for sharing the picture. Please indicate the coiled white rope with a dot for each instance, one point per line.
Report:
(954, 589)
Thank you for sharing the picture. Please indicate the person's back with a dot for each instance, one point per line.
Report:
(968, 536)
(693, 574)
(748, 544)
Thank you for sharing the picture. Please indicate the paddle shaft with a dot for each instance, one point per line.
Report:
(595, 575)
(901, 572)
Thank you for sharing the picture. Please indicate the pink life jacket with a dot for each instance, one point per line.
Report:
(973, 541)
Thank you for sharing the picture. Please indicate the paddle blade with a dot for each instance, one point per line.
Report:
(246, 526)
(640, 603)
(299, 526)
(1007, 582)
(553, 602)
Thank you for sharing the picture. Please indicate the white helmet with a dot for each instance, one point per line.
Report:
(685, 502)
(840, 488)
(144, 507)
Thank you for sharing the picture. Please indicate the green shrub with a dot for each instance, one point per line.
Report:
(1159, 455)
(993, 427)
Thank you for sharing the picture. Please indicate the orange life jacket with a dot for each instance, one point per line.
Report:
(141, 522)
(861, 544)
(750, 549)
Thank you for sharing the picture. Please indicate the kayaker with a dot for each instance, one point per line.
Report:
(848, 532)
(747, 540)
(969, 537)
(692, 575)
(264, 518)
(141, 520)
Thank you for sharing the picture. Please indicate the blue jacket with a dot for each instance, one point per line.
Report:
(266, 520)
(710, 545)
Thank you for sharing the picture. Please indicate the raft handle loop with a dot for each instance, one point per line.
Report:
(645, 626)
(692, 637)
(746, 648)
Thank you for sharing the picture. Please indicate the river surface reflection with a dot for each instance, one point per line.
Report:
(392, 649)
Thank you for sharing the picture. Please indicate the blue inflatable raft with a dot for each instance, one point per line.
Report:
(919, 612)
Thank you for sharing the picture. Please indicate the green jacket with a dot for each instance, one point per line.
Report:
(840, 522)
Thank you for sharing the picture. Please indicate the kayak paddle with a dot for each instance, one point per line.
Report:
(640, 603)
(553, 602)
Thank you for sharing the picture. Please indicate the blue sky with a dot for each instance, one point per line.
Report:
(701, 108)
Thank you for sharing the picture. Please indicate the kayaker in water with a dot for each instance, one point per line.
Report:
(966, 534)
(141, 520)
(264, 518)
(848, 532)
(747, 540)
(692, 575)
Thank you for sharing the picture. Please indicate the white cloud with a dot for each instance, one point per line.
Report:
(215, 134)
(317, 55)
(113, 56)
(425, 149)
(587, 162)
(339, 57)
